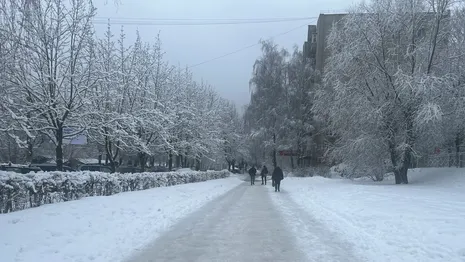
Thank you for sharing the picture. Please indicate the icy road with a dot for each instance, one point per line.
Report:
(246, 225)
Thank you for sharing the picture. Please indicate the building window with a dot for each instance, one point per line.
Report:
(313, 38)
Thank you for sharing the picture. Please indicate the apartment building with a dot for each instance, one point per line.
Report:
(315, 46)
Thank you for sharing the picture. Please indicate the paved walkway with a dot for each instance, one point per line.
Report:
(242, 225)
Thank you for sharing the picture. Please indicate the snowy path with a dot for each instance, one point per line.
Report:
(313, 237)
(244, 225)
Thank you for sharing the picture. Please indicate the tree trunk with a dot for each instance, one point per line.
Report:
(142, 160)
(113, 166)
(275, 163)
(292, 162)
(170, 160)
(457, 150)
(451, 160)
(107, 159)
(404, 167)
(461, 160)
(29, 154)
(392, 152)
(110, 158)
(59, 148)
(178, 160)
(186, 161)
(9, 151)
(457, 156)
(197, 164)
(397, 176)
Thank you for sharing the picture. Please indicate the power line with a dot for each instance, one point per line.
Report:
(193, 22)
(246, 47)
(202, 19)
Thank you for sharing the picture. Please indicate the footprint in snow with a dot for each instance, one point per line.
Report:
(15, 221)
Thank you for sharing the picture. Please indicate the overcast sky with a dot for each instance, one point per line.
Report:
(189, 45)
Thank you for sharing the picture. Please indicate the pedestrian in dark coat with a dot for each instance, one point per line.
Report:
(263, 173)
(277, 176)
(252, 173)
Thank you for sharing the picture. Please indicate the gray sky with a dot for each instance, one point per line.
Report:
(189, 45)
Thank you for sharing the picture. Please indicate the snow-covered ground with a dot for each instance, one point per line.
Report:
(423, 221)
(101, 228)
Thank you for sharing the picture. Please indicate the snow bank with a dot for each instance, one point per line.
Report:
(423, 221)
(101, 228)
(18, 191)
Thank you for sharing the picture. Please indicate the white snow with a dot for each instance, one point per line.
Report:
(101, 228)
(423, 221)
(182, 170)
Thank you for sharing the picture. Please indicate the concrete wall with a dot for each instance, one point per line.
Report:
(324, 25)
(309, 48)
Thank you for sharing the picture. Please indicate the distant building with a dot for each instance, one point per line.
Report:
(315, 46)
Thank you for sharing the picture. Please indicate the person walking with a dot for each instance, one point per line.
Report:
(263, 173)
(277, 176)
(252, 173)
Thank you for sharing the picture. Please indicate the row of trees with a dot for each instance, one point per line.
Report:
(392, 90)
(56, 75)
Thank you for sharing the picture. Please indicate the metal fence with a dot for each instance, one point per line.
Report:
(445, 158)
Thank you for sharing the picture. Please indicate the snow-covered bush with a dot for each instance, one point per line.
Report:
(375, 173)
(301, 172)
(18, 191)
(340, 170)
(310, 172)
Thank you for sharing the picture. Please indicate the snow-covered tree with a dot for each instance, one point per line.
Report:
(109, 121)
(130, 114)
(452, 134)
(384, 82)
(51, 70)
(279, 116)
(299, 131)
(231, 133)
(268, 100)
